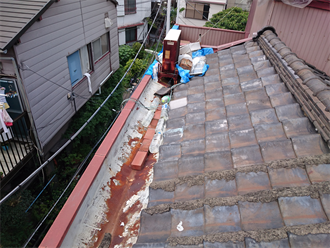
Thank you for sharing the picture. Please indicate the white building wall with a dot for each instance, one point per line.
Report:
(215, 7)
(143, 10)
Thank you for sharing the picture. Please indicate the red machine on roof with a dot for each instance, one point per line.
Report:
(170, 55)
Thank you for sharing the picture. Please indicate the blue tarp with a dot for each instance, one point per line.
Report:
(202, 52)
(184, 74)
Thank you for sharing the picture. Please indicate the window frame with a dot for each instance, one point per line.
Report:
(90, 64)
(131, 28)
(103, 53)
(130, 10)
(193, 13)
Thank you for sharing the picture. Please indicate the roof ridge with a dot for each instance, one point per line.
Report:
(311, 92)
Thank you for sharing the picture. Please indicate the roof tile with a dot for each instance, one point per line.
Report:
(245, 156)
(283, 177)
(275, 150)
(257, 215)
(301, 210)
(191, 221)
(252, 182)
(218, 161)
(220, 188)
(217, 142)
(191, 165)
(310, 240)
(222, 219)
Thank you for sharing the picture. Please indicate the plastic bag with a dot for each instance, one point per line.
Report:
(184, 56)
(184, 74)
(198, 65)
(155, 72)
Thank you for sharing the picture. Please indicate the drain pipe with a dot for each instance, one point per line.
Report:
(25, 101)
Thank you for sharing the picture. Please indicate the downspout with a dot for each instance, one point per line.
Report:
(26, 102)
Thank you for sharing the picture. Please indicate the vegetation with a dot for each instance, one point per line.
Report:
(17, 224)
(14, 220)
(234, 19)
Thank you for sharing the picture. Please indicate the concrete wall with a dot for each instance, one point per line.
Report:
(215, 7)
(42, 54)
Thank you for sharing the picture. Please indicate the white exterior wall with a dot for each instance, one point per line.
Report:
(143, 10)
(215, 7)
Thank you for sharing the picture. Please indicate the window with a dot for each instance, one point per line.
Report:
(100, 47)
(197, 11)
(130, 7)
(79, 64)
(131, 34)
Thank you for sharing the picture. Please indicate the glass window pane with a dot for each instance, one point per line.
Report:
(74, 67)
(85, 65)
(104, 43)
(130, 34)
(97, 53)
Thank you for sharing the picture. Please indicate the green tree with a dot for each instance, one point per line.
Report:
(136, 47)
(125, 53)
(15, 223)
(234, 18)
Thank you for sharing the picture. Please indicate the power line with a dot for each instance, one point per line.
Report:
(73, 177)
(219, 21)
(197, 10)
(81, 128)
(47, 79)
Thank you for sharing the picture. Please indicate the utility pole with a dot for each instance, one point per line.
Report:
(168, 16)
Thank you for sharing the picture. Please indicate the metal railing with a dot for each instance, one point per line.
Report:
(15, 145)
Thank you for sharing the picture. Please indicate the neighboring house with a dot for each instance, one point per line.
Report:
(47, 46)
(196, 13)
(131, 19)
(243, 4)
(304, 30)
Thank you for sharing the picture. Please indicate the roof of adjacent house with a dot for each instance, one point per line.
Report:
(246, 162)
(17, 16)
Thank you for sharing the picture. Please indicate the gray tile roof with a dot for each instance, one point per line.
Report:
(16, 16)
(240, 165)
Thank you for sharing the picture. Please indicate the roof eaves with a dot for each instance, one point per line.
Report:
(28, 25)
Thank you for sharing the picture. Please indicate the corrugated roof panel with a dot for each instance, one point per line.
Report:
(16, 16)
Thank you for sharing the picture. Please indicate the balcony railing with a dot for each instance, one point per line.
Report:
(15, 145)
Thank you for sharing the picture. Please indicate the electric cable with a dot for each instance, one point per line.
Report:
(81, 128)
(197, 11)
(73, 177)
(219, 21)
(29, 69)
